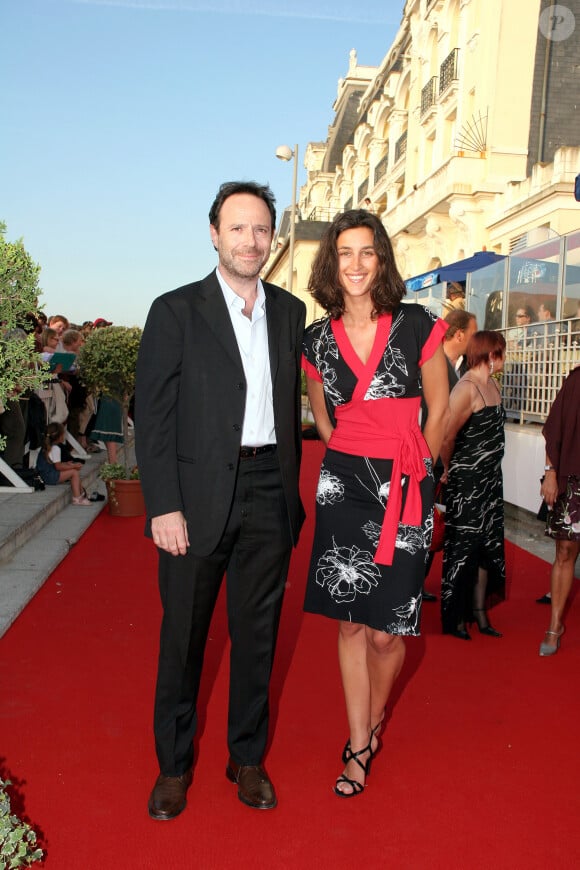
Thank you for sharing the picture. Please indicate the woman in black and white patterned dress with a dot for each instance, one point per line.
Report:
(472, 452)
(367, 365)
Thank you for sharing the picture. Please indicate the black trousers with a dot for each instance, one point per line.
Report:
(254, 552)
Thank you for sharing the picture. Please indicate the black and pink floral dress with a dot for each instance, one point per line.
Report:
(374, 502)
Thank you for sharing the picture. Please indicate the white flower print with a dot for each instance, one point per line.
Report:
(381, 489)
(326, 340)
(408, 617)
(410, 538)
(428, 531)
(328, 375)
(347, 571)
(373, 532)
(330, 488)
(383, 386)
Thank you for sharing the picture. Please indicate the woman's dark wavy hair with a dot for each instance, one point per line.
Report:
(324, 285)
(484, 344)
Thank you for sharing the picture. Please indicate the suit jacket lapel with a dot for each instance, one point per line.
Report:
(212, 307)
(274, 324)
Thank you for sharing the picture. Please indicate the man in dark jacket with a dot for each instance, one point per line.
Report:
(218, 445)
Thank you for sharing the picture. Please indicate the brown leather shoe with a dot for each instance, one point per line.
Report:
(254, 786)
(167, 799)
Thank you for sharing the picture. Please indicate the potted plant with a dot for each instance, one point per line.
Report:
(125, 496)
(107, 366)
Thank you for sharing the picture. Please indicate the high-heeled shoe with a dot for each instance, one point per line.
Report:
(376, 732)
(461, 633)
(356, 786)
(550, 649)
(487, 629)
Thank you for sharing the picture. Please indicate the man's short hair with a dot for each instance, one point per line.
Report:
(69, 336)
(456, 320)
(229, 188)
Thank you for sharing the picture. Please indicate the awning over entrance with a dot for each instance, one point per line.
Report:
(454, 271)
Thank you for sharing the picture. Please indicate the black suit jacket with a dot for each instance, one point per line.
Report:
(190, 400)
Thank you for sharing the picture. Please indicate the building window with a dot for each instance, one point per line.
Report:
(428, 95)
(448, 70)
(348, 204)
(401, 146)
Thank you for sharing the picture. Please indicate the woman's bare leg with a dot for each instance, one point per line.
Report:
(370, 661)
(385, 657)
(560, 584)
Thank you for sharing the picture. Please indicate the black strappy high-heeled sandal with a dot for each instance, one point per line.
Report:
(356, 786)
(375, 732)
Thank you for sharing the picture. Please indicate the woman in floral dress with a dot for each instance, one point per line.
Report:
(367, 365)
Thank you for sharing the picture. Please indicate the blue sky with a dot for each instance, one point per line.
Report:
(122, 117)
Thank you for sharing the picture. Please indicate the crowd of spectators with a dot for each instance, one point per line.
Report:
(39, 420)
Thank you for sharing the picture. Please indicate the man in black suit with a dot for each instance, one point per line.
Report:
(218, 440)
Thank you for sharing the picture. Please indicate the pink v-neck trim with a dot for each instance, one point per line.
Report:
(363, 371)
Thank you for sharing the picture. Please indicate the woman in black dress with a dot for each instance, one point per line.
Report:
(368, 364)
(472, 451)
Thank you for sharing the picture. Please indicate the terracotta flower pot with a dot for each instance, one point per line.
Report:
(125, 498)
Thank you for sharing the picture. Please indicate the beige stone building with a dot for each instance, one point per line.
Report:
(466, 137)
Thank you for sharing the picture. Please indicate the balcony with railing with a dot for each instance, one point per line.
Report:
(381, 168)
(401, 146)
(428, 96)
(321, 213)
(449, 71)
(363, 189)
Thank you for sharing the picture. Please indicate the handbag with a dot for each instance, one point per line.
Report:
(438, 536)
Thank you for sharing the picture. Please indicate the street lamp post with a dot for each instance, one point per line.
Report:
(284, 152)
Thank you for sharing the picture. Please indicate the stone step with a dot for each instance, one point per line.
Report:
(37, 531)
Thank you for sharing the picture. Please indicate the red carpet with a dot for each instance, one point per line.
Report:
(480, 765)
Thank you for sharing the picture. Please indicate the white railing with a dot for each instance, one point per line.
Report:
(537, 361)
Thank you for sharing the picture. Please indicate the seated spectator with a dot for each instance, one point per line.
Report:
(51, 468)
(455, 298)
(523, 317)
(549, 328)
